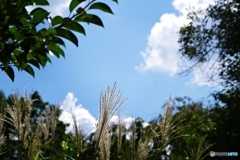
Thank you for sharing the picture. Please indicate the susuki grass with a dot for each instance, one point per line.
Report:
(120, 127)
(31, 137)
(169, 127)
(109, 103)
(199, 152)
(2, 136)
(78, 136)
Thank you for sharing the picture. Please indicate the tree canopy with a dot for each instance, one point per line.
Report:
(28, 38)
(212, 37)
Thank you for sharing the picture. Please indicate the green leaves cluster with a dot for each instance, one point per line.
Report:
(213, 36)
(27, 39)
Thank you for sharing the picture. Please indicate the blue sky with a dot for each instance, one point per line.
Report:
(137, 49)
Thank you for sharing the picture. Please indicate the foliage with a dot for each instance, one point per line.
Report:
(185, 128)
(30, 126)
(212, 38)
(28, 38)
(199, 125)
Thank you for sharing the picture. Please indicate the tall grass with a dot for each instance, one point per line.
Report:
(121, 128)
(109, 103)
(169, 127)
(199, 152)
(133, 139)
(30, 137)
(2, 136)
(77, 138)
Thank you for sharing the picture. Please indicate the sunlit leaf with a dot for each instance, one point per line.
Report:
(67, 34)
(56, 49)
(37, 155)
(39, 15)
(101, 6)
(41, 56)
(72, 25)
(90, 18)
(74, 4)
(57, 20)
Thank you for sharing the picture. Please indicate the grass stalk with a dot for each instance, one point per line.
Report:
(109, 104)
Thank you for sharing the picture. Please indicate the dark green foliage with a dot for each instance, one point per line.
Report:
(218, 123)
(28, 38)
(51, 149)
(213, 35)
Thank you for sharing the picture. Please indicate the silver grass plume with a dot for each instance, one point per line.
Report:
(169, 125)
(77, 138)
(199, 152)
(120, 128)
(144, 142)
(109, 104)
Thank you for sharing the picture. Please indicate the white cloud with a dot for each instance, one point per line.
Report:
(58, 7)
(84, 119)
(182, 5)
(161, 53)
(128, 121)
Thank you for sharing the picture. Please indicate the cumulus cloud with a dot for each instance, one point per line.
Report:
(85, 120)
(59, 7)
(55, 7)
(127, 120)
(161, 53)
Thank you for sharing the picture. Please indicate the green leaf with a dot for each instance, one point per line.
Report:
(17, 35)
(51, 31)
(10, 72)
(22, 65)
(49, 60)
(29, 70)
(41, 2)
(56, 49)
(74, 4)
(115, 1)
(59, 41)
(72, 25)
(34, 63)
(57, 20)
(37, 155)
(42, 59)
(90, 18)
(39, 15)
(101, 6)
(68, 35)
(40, 54)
